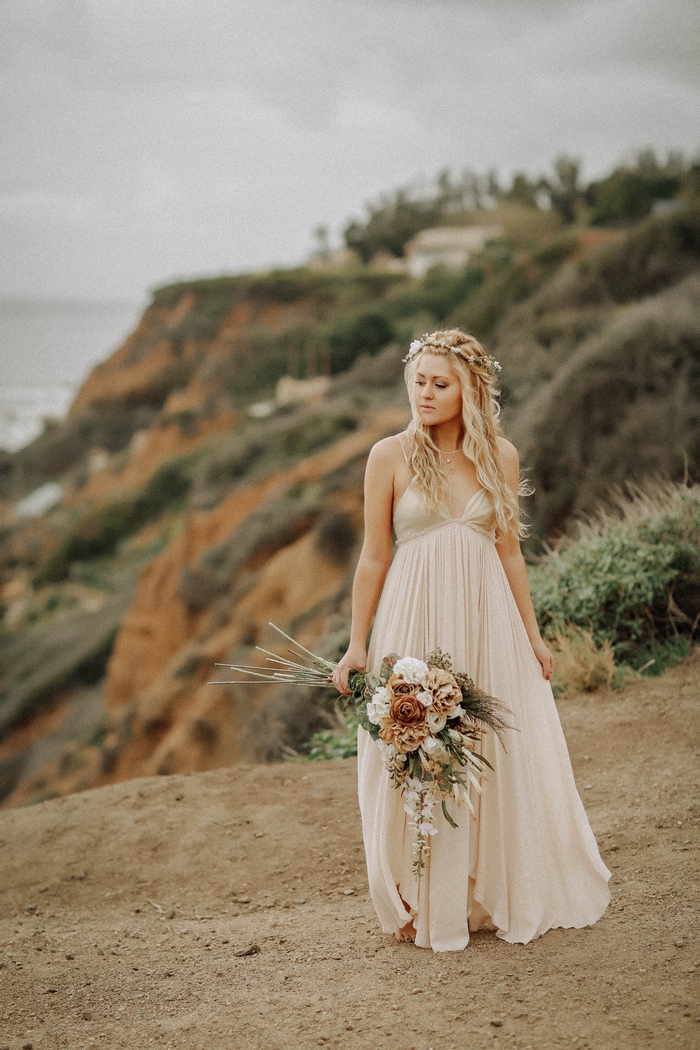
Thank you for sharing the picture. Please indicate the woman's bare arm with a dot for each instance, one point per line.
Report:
(514, 566)
(375, 557)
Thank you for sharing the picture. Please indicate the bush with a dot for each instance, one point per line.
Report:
(99, 532)
(336, 537)
(337, 742)
(37, 665)
(366, 333)
(621, 404)
(631, 578)
(274, 444)
(434, 298)
(629, 193)
(581, 665)
(657, 253)
(198, 587)
(509, 276)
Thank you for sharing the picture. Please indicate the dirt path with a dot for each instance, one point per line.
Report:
(123, 911)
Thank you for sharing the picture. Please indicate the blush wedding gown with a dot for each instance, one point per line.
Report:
(528, 861)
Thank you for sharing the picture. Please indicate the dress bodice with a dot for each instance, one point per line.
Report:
(412, 518)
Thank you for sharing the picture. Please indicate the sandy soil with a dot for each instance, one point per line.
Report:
(124, 911)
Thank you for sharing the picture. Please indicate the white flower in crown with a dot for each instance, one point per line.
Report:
(414, 347)
(411, 670)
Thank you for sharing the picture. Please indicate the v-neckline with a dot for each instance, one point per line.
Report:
(468, 503)
(450, 517)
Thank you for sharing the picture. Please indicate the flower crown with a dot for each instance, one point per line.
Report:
(485, 361)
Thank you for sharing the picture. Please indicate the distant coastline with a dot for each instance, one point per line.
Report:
(23, 410)
(47, 347)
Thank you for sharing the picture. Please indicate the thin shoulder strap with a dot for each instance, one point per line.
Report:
(403, 447)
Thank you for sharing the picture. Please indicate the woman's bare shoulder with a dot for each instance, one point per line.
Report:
(509, 453)
(387, 452)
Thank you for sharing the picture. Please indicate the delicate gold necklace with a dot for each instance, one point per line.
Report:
(450, 470)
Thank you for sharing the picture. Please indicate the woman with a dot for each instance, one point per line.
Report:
(528, 861)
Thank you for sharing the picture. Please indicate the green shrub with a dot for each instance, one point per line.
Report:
(629, 193)
(366, 333)
(655, 254)
(632, 579)
(338, 742)
(336, 537)
(98, 533)
(273, 445)
(311, 434)
(198, 586)
(434, 298)
(73, 651)
(508, 277)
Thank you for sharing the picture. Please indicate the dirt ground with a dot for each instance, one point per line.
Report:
(125, 911)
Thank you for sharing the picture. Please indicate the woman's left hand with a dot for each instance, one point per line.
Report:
(545, 657)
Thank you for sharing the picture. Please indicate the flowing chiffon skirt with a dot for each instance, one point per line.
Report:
(528, 861)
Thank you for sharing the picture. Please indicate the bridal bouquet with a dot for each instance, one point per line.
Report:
(425, 718)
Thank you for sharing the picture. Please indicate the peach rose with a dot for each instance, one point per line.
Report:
(398, 686)
(443, 688)
(407, 710)
(404, 738)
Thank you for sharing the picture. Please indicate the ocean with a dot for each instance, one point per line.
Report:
(46, 350)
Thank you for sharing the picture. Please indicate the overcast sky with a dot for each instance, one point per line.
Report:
(148, 139)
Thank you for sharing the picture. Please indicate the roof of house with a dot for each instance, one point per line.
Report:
(446, 238)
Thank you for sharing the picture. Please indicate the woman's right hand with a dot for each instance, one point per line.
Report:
(355, 659)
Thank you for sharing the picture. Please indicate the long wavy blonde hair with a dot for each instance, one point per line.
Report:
(481, 425)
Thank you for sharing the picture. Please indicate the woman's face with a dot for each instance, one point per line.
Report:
(438, 391)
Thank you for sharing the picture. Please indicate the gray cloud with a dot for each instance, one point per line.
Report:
(172, 137)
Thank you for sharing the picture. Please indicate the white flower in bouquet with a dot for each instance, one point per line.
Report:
(456, 712)
(388, 751)
(425, 698)
(411, 670)
(378, 707)
(436, 721)
(434, 748)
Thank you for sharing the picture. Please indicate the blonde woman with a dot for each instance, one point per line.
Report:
(448, 486)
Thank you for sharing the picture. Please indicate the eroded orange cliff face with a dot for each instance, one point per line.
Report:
(164, 716)
(134, 372)
(179, 375)
(148, 450)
